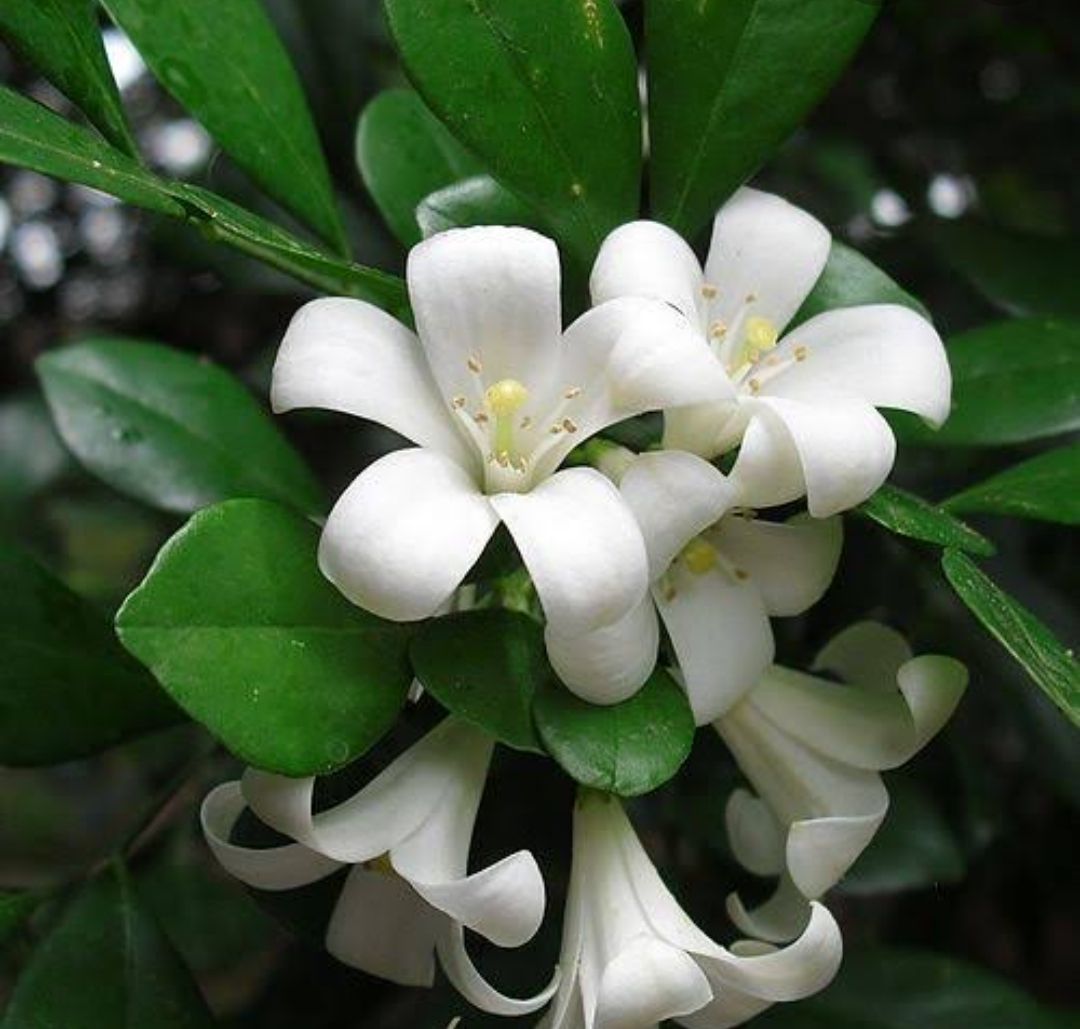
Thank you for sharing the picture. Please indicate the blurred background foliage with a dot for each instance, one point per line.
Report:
(948, 153)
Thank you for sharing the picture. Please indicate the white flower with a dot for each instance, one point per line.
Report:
(631, 957)
(805, 412)
(717, 576)
(812, 749)
(407, 836)
(495, 395)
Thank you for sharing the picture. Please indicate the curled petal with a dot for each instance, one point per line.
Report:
(487, 298)
(821, 850)
(674, 496)
(764, 258)
(609, 664)
(756, 838)
(346, 355)
(790, 563)
(647, 259)
(781, 918)
(581, 546)
(647, 982)
(866, 654)
(883, 354)
(401, 538)
(706, 429)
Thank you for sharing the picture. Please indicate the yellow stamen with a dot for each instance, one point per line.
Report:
(504, 399)
(699, 556)
(380, 864)
(761, 333)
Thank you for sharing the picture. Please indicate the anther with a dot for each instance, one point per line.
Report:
(480, 417)
(718, 330)
(708, 291)
(458, 402)
(474, 365)
(572, 392)
(526, 422)
(569, 425)
(555, 430)
(755, 385)
(741, 575)
(802, 353)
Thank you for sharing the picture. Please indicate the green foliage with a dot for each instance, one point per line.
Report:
(893, 988)
(485, 667)
(33, 453)
(226, 65)
(908, 515)
(544, 94)
(1023, 274)
(15, 909)
(169, 428)
(851, 279)
(479, 200)
(628, 748)
(728, 82)
(1013, 381)
(405, 153)
(1046, 487)
(244, 632)
(62, 39)
(67, 689)
(107, 965)
(1054, 669)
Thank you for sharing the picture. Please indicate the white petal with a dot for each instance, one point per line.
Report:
(382, 927)
(866, 654)
(721, 636)
(703, 429)
(627, 357)
(790, 563)
(843, 449)
(821, 850)
(674, 496)
(401, 538)
(609, 664)
(884, 354)
(756, 838)
(647, 259)
(488, 295)
(265, 868)
(417, 789)
(464, 976)
(730, 1007)
(783, 917)
(648, 982)
(346, 355)
(581, 546)
(765, 248)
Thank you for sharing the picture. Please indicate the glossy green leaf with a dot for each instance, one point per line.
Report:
(898, 988)
(1023, 274)
(33, 453)
(1013, 381)
(404, 153)
(168, 428)
(628, 748)
(1054, 669)
(67, 689)
(244, 632)
(908, 515)
(62, 40)
(107, 965)
(479, 200)
(544, 93)
(1046, 487)
(32, 136)
(485, 667)
(226, 65)
(849, 280)
(915, 847)
(729, 80)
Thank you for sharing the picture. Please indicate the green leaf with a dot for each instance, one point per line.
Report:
(244, 632)
(915, 847)
(908, 515)
(168, 428)
(62, 39)
(1054, 669)
(1013, 381)
(32, 136)
(729, 80)
(479, 200)
(404, 153)
(107, 965)
(1022, 273)
(1046, 487)
(899, 988)
(226, 65)
(544, 93)
(67, 689)
(849, 280)
(15, 909)
(628, 748)
(33, 453)
(485, 667)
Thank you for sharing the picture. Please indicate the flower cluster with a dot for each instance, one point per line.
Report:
(496, 396)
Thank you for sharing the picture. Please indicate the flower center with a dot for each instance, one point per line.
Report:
(504, 399)
(699, 556)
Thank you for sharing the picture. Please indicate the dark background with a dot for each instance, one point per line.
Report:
(955, 114)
